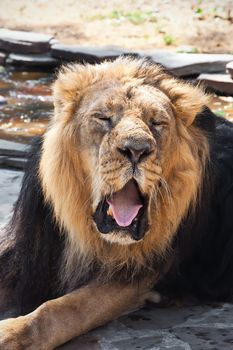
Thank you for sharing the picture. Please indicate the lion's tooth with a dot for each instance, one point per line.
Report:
(109, 212)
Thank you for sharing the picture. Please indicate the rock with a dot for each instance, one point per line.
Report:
(184, 64)
(229, 68)
(31, 60)
(13, 149)
(218, 82)
(24, 42)
(14, 163)
(13, 155)
(2, 58)
(85, 53)
(3, 100)
(73, 53)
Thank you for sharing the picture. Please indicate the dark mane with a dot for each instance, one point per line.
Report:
(31, 245)
(204, 243)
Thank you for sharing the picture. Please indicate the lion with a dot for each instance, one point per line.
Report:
(129, 191)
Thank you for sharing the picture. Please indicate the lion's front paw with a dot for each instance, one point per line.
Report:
(15, 334)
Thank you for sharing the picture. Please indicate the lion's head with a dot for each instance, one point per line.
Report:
(122, 160)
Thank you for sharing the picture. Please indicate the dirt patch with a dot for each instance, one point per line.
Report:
(136, 24)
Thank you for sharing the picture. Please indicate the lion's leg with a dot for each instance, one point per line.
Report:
(59, 320)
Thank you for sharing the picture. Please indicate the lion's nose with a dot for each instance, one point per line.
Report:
(135, 151)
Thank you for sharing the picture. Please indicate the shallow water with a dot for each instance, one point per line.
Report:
(26, 104)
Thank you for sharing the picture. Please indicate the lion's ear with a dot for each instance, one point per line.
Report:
(67, 91)
(187, 100)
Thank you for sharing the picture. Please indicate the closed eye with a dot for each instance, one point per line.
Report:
(158, 123)
(104, 122)
(102, 117)
(106, 119)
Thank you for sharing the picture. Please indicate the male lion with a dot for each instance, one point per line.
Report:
(130, 187)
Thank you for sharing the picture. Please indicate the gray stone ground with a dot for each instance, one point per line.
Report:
(199, 327)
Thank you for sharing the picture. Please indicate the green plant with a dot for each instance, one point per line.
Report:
(168, 39)
(199, 11)
(136, 17)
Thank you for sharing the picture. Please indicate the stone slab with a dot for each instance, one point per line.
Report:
(184, 64)
(12, 163)
(87, 54)
(222, 83)
(31, 60)
(24, 42)
(229, 68)
(13, 149)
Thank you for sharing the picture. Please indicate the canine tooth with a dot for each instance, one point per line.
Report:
(109, 212)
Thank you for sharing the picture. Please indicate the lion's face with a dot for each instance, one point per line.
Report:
(122, 159)
(125, 134)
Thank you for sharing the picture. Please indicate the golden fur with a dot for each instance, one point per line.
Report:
(59, 320)
(79, 165)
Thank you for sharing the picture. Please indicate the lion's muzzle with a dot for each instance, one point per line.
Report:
(136, 150)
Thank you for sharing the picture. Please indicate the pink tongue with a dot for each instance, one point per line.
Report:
(125, 204)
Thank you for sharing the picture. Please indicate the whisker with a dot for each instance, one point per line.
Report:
(166, 188)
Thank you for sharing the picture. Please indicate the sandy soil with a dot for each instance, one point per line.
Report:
(134, 24)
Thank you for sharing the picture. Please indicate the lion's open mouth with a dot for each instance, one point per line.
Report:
(125, 210)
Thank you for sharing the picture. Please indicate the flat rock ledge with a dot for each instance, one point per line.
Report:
(24, 48)
(87, 53)
(24, 42)
(31, 60)
(186, 64)
(219, 83)
(13, 155)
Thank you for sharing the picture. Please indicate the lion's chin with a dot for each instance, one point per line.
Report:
(119, 238)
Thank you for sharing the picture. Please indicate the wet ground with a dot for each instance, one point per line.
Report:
(26, 104)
